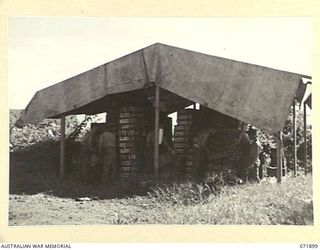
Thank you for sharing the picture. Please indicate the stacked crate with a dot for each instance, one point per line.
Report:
(184, 133)
(133, 125)
(167, 122)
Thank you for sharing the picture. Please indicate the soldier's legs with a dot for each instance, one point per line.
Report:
(196, 161)
(242, 172)
(105, 168)
(113, 164)
(149, 161)
(262, 171)
(253, 173)
(203, 163)
(109, 166)
(83, 173)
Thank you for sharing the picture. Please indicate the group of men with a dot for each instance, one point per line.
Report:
(98, 156)
(247, 166)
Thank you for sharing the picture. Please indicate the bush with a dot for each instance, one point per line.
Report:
(268, 141)
(23, 136)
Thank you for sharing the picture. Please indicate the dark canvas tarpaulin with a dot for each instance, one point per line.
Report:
(122, 75)
(253, 94)
(257, 95)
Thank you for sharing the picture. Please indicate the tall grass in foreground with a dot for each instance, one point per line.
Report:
(265, 203)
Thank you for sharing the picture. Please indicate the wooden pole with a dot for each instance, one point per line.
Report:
(156, 131)
(279, 157)
(62, 146)
(294, 138)
(305, 137)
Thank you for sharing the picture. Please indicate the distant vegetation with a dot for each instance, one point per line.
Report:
(23, 136)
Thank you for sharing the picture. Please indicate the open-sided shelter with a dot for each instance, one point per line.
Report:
(171, 78)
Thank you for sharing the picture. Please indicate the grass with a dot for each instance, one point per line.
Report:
(265, 203)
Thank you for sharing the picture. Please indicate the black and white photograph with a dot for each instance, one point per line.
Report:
(160, 121)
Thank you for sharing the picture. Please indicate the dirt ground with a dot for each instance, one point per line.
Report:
(43, 209)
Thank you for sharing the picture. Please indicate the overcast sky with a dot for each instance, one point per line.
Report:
(46, 50)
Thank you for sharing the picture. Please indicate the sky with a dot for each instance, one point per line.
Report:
(46, 50)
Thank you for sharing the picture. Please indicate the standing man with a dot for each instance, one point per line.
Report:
(164, 148)
(89, 155)
(107, 152)
(253, 169)
(200, 152)
(244, 162)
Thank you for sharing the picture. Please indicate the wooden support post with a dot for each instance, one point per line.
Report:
(156, 131)
(62, 146)
(305, 137)
(279, 157)
(294, 128)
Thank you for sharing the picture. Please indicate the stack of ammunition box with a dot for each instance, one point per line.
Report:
(167, 122)
(132, 136)
(184, 133)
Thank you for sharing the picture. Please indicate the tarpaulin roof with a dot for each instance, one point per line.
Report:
(250, 93)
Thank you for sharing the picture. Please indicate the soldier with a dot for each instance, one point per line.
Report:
(200, 152)
(248, 167)
(196, 157)
(164, 150)
(107, 152)
(253, 168)
(264, 158)
(242, 165)
(89, 154)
